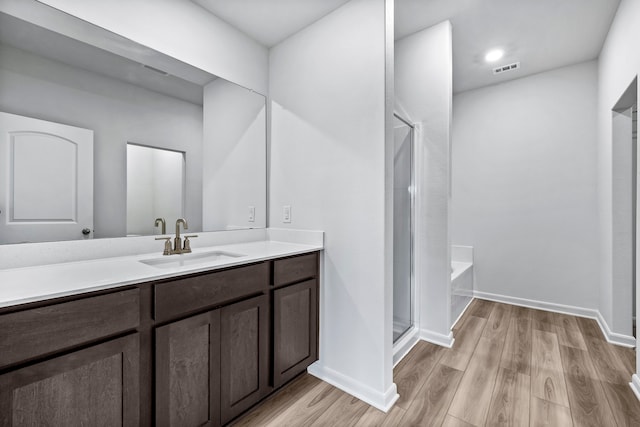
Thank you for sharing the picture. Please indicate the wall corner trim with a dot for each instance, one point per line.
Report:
(437, 338)
(464, 310)
(402, 347)
(611, 337)
(382, 401)
(635, 385)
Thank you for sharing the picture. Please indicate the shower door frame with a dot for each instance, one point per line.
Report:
(412, 283)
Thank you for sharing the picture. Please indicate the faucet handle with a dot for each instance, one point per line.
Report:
(167, 245)
(187, 243)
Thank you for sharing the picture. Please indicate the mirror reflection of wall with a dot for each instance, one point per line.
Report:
(155, 188)
(234, 150)
(123, 91)
(66, 81)
(634, 203)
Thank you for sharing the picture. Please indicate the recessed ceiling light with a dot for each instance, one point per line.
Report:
(493, 55)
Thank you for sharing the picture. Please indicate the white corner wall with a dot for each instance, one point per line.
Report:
(180, 29)
(329, 123)
(233, 140)
(423, 85)
(619, 64)
(524, 186)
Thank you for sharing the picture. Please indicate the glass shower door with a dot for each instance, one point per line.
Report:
(402, 228)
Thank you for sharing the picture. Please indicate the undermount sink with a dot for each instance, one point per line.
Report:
(182, 260)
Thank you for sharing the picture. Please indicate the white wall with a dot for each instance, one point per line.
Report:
(423, 83)
(118, 113)
(619, 64)
(177, 28)
(234, 155)
(524, 186)
(328, 131)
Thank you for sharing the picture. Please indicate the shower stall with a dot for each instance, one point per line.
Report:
(403, 208)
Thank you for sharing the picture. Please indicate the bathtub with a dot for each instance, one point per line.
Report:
(458, 268)
(461, 280)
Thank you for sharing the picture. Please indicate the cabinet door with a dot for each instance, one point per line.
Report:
(295, 333)
(244, 339)
(188, 372)
(96, 386)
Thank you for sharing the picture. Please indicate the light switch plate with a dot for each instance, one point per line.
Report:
(286, 213)
(252, 213)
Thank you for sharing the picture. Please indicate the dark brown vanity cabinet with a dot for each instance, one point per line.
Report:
(194, 350)
(94, 386)
(188, 371)
(211, 367)
(244, 355)
(86, 384)
(295, 316)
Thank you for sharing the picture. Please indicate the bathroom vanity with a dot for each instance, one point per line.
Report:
(197, 348)
(98, 329)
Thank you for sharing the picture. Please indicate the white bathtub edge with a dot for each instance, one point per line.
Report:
(459, 268)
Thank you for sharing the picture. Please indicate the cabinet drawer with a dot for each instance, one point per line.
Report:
(197, 292)
(295, 269)
(27, 334)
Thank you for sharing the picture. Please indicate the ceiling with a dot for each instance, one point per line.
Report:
(540, 34)
(270, 21)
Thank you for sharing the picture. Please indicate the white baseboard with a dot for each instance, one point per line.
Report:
(635, 385)
(611, 337)
(461, 313)
(404, 345)
(382, 401)
(437, 338)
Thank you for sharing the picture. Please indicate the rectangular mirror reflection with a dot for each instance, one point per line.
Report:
(155, 188)
(127, 93)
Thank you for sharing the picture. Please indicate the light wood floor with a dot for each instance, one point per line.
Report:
(510, 366)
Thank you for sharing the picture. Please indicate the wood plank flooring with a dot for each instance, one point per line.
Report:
(510, 366)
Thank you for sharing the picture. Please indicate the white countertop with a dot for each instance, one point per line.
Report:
(38, 283)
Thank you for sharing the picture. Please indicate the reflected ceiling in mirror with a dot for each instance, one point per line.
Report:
(125, 92)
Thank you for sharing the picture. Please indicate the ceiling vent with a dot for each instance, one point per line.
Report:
(505, 68)
(155, 70)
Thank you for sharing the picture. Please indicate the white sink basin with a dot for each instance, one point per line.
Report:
(183, 260)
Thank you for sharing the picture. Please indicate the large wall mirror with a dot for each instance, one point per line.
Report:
(139, 107)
